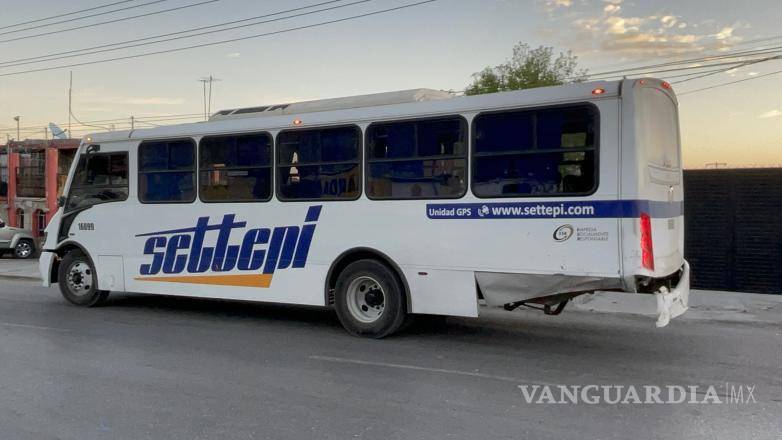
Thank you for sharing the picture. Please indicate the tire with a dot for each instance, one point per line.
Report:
(78, 281)
(369, 299)
(24, 249)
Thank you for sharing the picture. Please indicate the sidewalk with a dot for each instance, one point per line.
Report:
(711, 305)
(19, 269)
(704, 304)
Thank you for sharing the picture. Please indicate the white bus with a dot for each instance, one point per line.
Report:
(388, 205)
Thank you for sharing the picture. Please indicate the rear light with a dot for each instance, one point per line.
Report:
(598, 91)
(647, 253)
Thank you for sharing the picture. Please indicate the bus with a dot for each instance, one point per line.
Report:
(387, 206)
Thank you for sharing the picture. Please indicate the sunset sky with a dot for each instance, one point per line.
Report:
(436, 45)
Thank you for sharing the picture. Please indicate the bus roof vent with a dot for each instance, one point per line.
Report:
(375, 99)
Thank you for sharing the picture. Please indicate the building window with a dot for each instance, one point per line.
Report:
(236, 168)
(3, 174)
(535, 152)
(167, 171)
(20, 218)
(319, 164)
(424, 159)
(99, 178)
(40, 222)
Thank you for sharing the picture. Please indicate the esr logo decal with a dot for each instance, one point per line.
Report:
(563, 232)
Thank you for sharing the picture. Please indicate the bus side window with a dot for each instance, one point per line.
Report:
(535, 152)
(99, 178)
(166, 171)
(421, 159)
(235, 168)
(319, 164)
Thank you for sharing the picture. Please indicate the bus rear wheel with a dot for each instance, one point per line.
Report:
(369, 299)
(78, 281)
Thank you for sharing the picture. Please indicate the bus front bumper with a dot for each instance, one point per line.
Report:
(45, 262)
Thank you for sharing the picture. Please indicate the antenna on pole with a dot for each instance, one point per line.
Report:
(70, 101)
(208, 94)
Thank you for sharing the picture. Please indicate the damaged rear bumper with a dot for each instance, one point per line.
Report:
(673, 303)
(666, 300)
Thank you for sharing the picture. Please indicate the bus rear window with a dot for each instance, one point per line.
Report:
(657, 128)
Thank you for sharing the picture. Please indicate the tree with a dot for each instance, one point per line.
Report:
(527, 69)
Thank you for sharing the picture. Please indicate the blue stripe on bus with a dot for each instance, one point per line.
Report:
(552, 210)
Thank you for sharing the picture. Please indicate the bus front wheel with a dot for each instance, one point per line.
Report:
(369, 299)
(78, 281)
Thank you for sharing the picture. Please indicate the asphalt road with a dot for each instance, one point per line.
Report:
(171, 368)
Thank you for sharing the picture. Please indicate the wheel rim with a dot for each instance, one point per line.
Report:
(366, 299)
(79, 278)
(24, 249)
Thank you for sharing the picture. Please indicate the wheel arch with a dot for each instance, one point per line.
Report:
(22, 236)
(361, 253)
(62, 249)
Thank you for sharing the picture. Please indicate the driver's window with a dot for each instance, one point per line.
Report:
(99, 178)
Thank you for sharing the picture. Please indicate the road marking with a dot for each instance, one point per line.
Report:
(428, 369)
(36, 327)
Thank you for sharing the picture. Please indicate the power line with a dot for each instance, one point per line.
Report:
(215, 43)
(116, 20)
(733, 64)
(748, 63)
(62, 55)
(119, 121)
(729, 83)
(37, 20)
(735, 54)
(85, 16)
(168, 34)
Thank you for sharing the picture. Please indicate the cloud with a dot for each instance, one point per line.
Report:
(613, 30)
(152, 100)
(559, 3)
(725, 33)
(770, 114)
(668, 21)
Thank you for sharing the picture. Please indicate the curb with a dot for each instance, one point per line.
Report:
(19, 277)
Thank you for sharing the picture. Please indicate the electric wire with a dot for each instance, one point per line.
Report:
(232, 40)
(84, 17)
(116, 20)
(38, 20)
(196, 34)
(54, 54)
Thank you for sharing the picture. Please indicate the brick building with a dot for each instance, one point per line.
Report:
(32, 177)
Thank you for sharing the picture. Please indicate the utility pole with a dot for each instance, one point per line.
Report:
(716, 165)
(16, 118)
(70, 100)
(208, 95)
(132, 123)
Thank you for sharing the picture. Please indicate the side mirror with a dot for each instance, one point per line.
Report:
(2, 224)
(61, 201)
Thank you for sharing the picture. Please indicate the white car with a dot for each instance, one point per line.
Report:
(18, 240)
